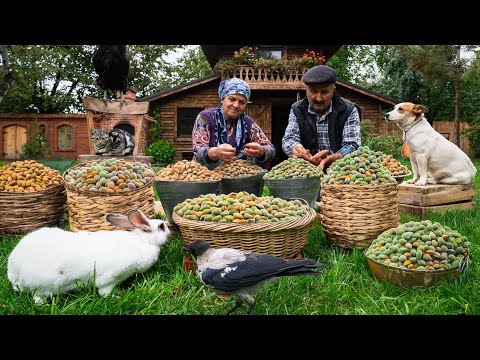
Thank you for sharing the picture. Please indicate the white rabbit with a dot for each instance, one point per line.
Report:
(52, 261)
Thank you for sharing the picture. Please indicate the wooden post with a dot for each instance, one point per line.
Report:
(90, 127)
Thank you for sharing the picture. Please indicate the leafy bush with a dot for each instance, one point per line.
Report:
(36, 147)
(156, 128)
(473, 136)
(365, 131)
(161, 151)
(388, 144)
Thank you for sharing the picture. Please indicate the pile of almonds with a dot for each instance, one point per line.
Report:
(360, 167)
(293, 168)
(187, 171)
(240, 207)
(396, 167)
(238, 168)
(420, 245)
(109, 175)
(28, 176)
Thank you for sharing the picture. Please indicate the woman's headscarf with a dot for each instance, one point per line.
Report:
(234, 86)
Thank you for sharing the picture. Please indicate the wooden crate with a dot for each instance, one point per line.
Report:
(417, 200)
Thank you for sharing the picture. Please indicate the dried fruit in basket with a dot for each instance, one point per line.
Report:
(423, 245)
(240, 207)
(187, 171)
(109, 175)
(28, 176)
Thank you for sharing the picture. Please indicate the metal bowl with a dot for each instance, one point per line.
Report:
(173, 192)
(414, 278)
(401, 178)
(252, 184)
(305, 188)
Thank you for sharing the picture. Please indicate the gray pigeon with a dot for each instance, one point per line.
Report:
(232, 271)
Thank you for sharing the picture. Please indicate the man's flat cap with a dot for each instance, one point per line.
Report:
(320, 74)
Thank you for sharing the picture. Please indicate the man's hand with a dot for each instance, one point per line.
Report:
(325, 163)
(254, 149)
(301, 152)
(318, 157)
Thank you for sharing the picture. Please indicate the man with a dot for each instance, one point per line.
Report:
(323, 127)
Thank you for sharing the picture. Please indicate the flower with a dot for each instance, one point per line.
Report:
(310, 58)
(246, 55)
(249, 56)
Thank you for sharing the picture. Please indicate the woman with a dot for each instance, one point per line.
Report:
(226, 133)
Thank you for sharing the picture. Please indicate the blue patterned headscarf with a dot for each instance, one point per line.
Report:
(234, 86)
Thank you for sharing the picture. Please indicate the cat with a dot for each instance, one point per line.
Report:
(117, 142)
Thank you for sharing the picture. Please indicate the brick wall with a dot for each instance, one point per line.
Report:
(77, 122)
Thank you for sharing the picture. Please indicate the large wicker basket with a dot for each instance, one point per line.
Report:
(284, 239)
(28, 211)
(352, 216)
(87, 209)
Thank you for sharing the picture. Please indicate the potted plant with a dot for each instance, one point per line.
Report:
(250, 57)
(162, 152)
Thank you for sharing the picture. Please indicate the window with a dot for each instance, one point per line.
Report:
(65, 138)
(271, 53)
(185, 120)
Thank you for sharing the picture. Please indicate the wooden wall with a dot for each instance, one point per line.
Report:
(371, 109)
(51, 122)
(201, 97)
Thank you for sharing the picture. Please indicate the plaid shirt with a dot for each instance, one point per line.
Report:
(351, 132)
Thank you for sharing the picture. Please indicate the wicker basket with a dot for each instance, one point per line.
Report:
(284, 239)
(352, 216)
(28, 211)
(87, 209)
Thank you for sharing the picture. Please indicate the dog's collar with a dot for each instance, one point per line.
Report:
(414, 122)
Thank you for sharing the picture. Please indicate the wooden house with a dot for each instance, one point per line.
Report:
(270, 101)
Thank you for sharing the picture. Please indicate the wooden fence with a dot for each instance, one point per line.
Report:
(446, 128)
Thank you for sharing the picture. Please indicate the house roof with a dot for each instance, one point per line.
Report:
(179, 88)
(214, 77)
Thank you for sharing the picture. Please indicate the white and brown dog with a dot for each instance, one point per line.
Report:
(430, 152)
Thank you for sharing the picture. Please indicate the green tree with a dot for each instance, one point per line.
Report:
(8, 76)
(55, 78)
(440, 65)
(358, 64)
(191, 66)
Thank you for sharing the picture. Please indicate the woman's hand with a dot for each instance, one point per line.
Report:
(224, 152)
(254, 149)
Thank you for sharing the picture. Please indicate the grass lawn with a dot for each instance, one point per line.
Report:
(347, 286)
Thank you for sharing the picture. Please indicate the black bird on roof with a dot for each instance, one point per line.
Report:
(232, 271)
(111, 65)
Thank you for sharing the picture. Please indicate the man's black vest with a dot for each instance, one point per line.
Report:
(341, 110)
